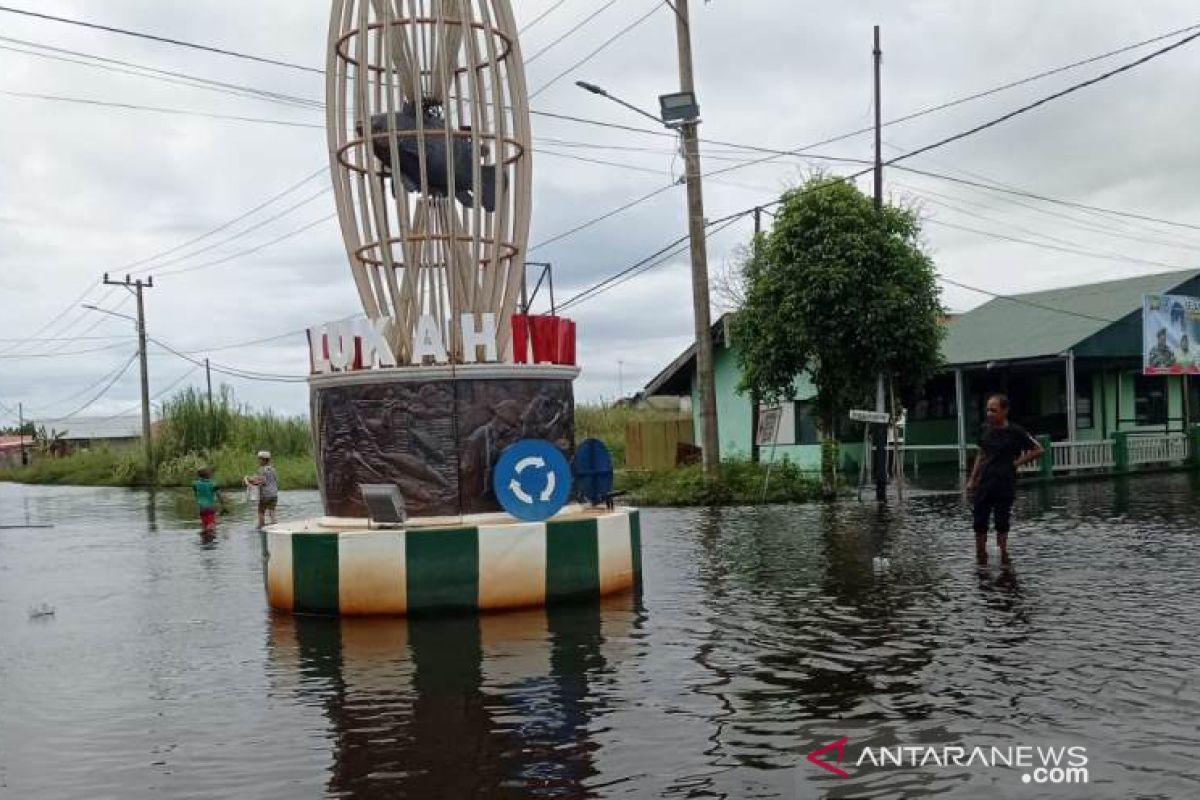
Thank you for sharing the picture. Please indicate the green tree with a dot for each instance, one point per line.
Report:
(843, 293)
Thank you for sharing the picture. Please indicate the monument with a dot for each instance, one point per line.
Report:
(412, 407)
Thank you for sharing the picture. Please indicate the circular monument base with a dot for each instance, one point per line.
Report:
(434, 432)
(487, 562)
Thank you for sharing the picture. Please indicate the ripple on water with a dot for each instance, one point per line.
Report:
(762, 635)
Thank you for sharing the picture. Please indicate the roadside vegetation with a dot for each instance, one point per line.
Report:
(227, 436)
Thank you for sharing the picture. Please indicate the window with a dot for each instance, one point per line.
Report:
(1150, 399)
(806, 424)
(1083, 408)
(789, 424)
(1083, 412)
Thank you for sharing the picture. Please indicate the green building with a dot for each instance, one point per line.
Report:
(1070, 361)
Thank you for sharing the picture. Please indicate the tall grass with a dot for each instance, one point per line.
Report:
(224, 437)
(192, 425)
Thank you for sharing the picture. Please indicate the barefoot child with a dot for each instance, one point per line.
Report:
(207, 498)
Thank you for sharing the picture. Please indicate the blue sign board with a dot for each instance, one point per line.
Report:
(532, 480)
(593, 469)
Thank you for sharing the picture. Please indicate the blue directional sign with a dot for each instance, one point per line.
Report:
(593, 471)
(532, 480)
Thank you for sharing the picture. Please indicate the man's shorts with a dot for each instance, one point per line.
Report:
(208, 517)
(989, 503)
(267, 503)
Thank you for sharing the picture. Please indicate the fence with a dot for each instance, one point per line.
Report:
(1119, 454)
(655, 444)
(1158, 449)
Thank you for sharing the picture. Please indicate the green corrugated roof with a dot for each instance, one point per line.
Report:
(1035, 325)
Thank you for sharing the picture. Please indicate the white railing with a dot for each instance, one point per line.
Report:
(1158, 448)
(1154, 448)
(1083, 455)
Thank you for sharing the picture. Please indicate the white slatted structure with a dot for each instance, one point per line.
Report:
(1157, 448)
(407, 79)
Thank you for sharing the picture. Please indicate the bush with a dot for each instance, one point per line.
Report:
(741, 483)
(192, 435)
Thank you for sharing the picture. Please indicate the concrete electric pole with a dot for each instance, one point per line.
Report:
(136, 286)
(879, 462)
(710, 442)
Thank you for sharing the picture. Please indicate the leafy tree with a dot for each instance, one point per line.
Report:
(841, 292)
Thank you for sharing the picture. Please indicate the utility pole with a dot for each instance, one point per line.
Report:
(710, 442)
(212, 414)
(755, 400)
(880, 460)
(21, 432)
(136, 286)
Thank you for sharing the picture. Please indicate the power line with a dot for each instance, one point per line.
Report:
(161, 39)
(73, 305)
(978, 128)
(1119, 258)
(232, 371)
(31, 356)
(224, 226)
(158, 109)
(153, 73)
(608, 43)
(241, 234)
(1021, 301)
(1048, 98)
(1047, 199)
(569, 32)
(157, 395)
(543, 15)
(987, 93)
(645, 265)
(102, 392)
(250, 251)
(953, 204)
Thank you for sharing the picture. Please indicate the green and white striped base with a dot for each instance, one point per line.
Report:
(483, 567)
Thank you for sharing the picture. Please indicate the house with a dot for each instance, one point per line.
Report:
(1070, 361)
(796, 437)
(83, 433)
(12, 448)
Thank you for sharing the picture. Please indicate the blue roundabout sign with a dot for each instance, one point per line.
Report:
(532, 480)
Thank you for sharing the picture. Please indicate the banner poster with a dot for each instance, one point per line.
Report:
(1170, 329)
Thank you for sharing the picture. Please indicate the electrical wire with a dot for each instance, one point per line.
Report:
(159, 268)
(1047, 199)
(250, 251)
(161, 39)
(104, 391)
(608, 43)
(159, 109)
(1021, 301)
(118, 66)
(578, 26)
(542, 16)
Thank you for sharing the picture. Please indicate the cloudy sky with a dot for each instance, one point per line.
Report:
(88, 188)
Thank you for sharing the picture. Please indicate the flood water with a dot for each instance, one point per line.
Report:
(138, 661)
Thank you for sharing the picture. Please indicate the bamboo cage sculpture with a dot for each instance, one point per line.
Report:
(429, 143)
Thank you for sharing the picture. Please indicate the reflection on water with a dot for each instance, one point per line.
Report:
(465, 707)
(763, 635)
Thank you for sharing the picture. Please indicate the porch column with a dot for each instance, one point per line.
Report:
(1070, 395)
(960, 404)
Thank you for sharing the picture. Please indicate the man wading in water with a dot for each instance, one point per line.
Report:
(1003, 448)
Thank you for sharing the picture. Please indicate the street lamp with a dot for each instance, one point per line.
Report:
(110, 313)
(681, 112)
